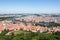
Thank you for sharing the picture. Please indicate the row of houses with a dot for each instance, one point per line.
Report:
(29, 27)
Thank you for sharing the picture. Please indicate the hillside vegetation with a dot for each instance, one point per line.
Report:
(28, 35)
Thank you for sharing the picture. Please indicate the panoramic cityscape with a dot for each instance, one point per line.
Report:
(30, 22)
(29, 19)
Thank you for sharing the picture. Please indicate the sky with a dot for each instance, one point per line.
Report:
(29, 6)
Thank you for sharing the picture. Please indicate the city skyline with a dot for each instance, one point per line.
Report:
(29, 6)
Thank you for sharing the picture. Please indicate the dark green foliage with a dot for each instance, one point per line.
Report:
(28, 35)
(54, 24)
(47, 24)
(5, 18)
(4, 32)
